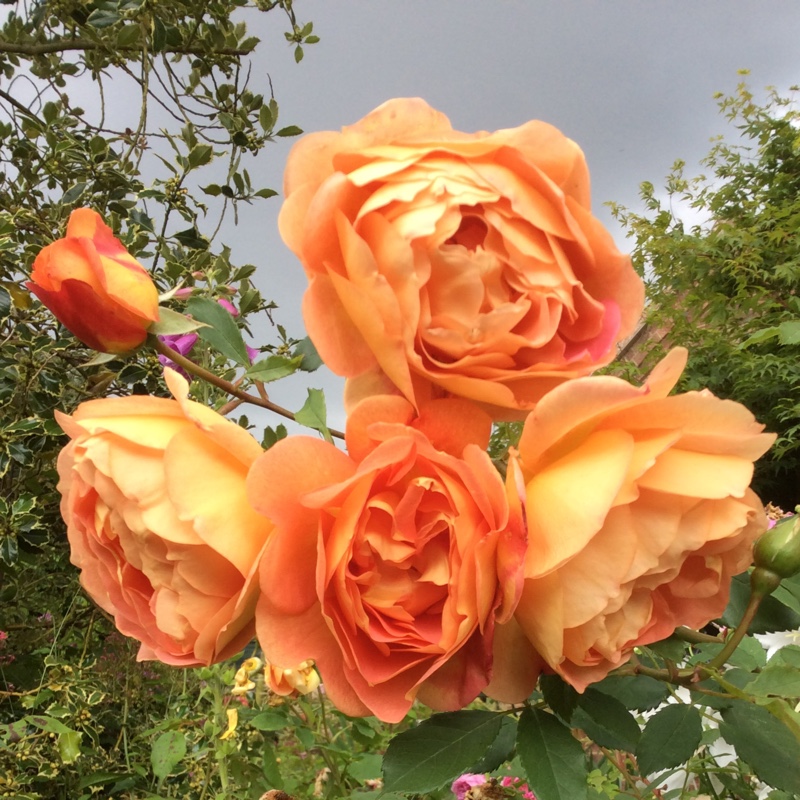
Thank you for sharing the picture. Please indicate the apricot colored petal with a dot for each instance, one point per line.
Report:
(141, 430)
(335, 335)
(280, 477)
(65, 259)
(451, 424)
(382, 408)
(540, 616)
(309, 161)
(560, 524)
(397, 119)
(698, 474)
(516, 665)
(206, 484)
(569, 406)
(663, 377)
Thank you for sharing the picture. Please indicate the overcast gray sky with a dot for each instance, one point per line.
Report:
(632, 81)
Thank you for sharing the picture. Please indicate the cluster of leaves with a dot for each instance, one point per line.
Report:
(727, 288)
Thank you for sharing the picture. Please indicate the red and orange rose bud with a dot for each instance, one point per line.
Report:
(94, 287)
(153, 495)
(390, 566)
(639, 514)
(441, 262)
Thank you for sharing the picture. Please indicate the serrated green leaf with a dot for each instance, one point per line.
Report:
(560, 696)
(222, 334)
(635, 692)
(606, 721)
(778, 680)
(759, 337)
(311, 360)
(670, 738)
(789, 656)
(172, 322)
(192, 239)
(313, 414)
(500, 749)
(765, 743)
(200, 155)
(553, 759)
(273, 368)
(438, 750)
(167, 752)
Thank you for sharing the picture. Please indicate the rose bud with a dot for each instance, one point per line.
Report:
(777, 555)
(94, 286)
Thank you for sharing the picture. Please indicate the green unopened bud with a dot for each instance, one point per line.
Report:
(778, 550)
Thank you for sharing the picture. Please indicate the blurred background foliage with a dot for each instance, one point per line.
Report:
(79, 717)
(721, 258)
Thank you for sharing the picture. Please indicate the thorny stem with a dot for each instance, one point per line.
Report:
(221, 383)
(739, 633)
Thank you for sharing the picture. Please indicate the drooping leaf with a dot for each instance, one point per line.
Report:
(670, 738)
(606, 721)
(553, 759)
(765, 743)
(500, 750)
(222, 334)
(560, 696)
(438, 750)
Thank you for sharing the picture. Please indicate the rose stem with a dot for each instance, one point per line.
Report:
(221, 383)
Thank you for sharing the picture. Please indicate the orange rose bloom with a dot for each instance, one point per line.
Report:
(443, 262)
(639, 514)
(153, 494)
(95, 287)
(390, 566)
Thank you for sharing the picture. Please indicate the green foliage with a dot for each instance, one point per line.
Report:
(727, 288)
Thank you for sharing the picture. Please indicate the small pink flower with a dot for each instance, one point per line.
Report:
(466, 782)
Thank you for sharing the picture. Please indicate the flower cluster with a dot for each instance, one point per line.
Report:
(455, 280)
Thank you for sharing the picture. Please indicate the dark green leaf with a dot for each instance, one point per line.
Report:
(560, 696)
(5, 303)
(553, 759)
(670, 738)
(765, 743)
(500, 750)
(265, 193)
(289, 130)
(159, 34)
(606, 721)
(192, 239)
(223, 333)
(213, 189)
(200, 155)
(311, 360)
(438, 750)
(635, 692)
(771, 616)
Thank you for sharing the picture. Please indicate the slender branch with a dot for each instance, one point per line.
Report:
(221, 383)
(696, 637)
(738, 634)
(43, 48)
(21, 108)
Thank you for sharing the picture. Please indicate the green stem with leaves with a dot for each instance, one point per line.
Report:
(221, 383)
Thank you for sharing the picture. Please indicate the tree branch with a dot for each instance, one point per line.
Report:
(43, 48)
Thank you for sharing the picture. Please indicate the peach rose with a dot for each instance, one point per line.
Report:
(153, 494)
(95, 287)
(388, 566)
(639, 514)
(443, 262)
